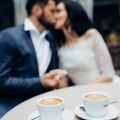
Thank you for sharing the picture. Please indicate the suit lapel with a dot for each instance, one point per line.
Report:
(26, 36)
(54, 59)
(28, 39)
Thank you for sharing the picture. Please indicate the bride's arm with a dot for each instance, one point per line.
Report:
(101, 79)
(103, 59)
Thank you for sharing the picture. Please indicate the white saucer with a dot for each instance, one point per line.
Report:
(113, 113)
(67, 115)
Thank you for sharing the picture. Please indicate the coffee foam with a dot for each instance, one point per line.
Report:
(50, 101)
(95, 96)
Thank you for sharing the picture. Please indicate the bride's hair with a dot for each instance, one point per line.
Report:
(78, 19)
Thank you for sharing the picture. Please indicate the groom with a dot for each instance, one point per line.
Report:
(27, 54)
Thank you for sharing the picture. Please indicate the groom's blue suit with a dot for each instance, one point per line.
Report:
(19, 76)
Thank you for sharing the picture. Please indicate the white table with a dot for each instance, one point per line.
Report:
(72, 95)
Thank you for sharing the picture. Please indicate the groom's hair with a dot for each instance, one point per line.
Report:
(31, 3)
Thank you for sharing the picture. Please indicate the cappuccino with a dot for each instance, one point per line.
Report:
(95, 96)
(94, 103)
(50, 101)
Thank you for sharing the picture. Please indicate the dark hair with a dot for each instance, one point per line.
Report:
(31, 3)
(77, 16)
(78, 19)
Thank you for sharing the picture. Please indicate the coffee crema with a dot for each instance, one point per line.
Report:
(95, 96)
(51, 101)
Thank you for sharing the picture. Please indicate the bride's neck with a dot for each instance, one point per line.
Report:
(71, 36)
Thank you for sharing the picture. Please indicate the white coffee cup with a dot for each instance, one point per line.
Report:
(95, 103)
(51, 108)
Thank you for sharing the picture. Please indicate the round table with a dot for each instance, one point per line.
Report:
(72, 96)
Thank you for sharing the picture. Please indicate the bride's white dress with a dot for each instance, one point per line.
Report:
(86, 59)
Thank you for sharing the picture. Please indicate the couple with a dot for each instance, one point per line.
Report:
(28, 53)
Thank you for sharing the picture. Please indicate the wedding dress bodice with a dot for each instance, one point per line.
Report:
(86, 59)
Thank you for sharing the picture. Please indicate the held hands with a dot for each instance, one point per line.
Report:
(54, 78)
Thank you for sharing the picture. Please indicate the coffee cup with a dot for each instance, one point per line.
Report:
(51, 108)
(95, 103)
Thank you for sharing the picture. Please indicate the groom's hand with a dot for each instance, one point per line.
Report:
(53, 78)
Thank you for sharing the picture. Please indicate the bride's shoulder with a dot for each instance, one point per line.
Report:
(91, 32)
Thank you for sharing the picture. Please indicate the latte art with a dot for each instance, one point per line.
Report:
(51, 101)
(95, 96)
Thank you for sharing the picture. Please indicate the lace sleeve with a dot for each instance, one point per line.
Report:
(103, 57)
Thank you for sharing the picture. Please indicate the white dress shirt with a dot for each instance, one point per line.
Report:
(41, 45)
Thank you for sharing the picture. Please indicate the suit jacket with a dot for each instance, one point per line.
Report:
(19, 76)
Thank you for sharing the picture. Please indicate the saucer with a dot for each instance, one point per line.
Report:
(67, 115)
(113, 113)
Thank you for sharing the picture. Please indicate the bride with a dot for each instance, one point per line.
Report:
(82, 50)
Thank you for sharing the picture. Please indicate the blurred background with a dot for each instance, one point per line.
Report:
(104, 13)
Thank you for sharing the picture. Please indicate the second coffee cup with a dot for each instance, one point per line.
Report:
(95, 103)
